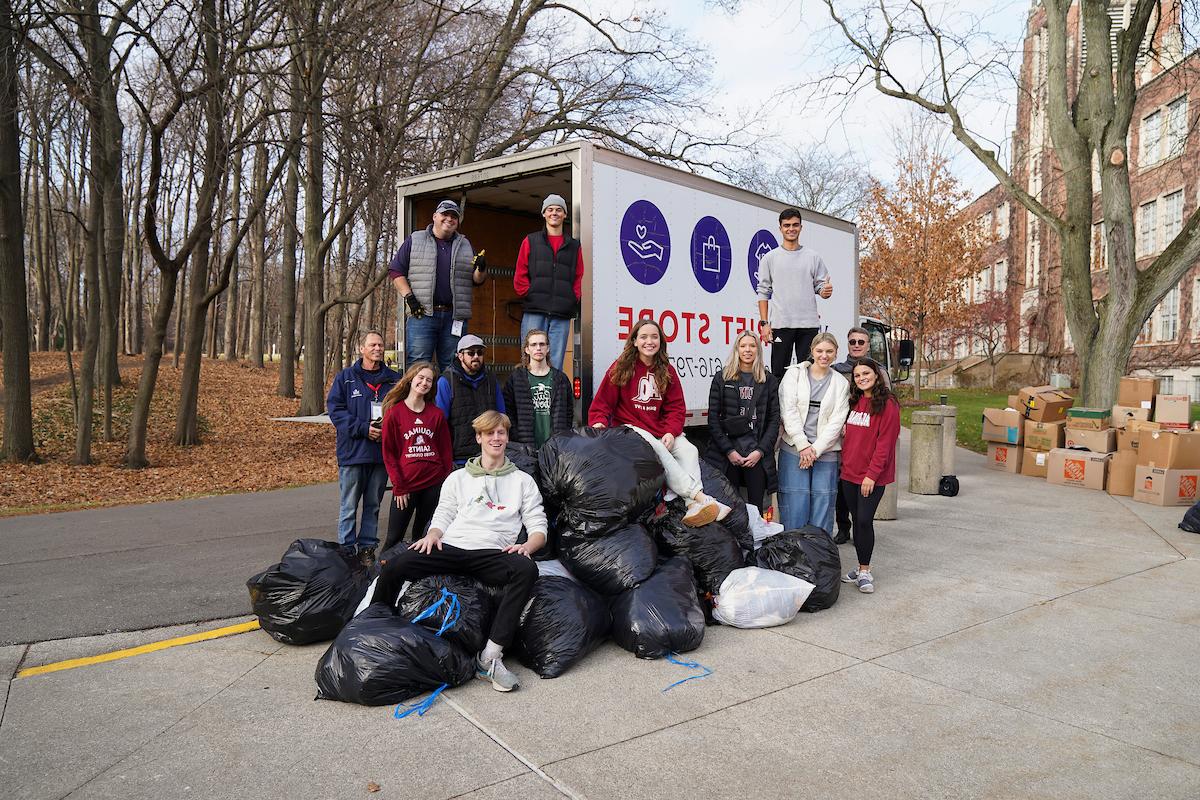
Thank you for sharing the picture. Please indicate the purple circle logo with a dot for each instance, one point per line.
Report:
(645, 242)
(712, 255)
(761, 243)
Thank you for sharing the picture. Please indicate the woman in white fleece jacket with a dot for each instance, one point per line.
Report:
(474, 531)
(813, 404)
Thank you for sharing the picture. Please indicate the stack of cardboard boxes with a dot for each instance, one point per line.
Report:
(1140, 448)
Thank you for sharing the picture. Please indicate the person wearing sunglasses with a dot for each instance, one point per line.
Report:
(467, 389)
(858, 346)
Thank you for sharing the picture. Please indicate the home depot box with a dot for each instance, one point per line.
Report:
(1123, 414)
(1172, 411)
(1077, 468)
(1169, 449)
(1138, 392)
(1121, 468)
(1089, 419)
(1044, 403)
(1003, 426)
(1004, 457)
(1097, 441)
(1044, 436)
(1033, 462)
(1166, 487)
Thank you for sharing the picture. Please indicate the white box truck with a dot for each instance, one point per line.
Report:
(657, 242)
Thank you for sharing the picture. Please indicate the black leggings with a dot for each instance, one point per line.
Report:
(753, 478)
(421, 505)
(513, 573)
(799, 339)
(842, 514)
(862, 512)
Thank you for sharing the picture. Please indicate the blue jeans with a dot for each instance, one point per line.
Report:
(429, 333)
(364, 482)
(558, 329)
(807, 496)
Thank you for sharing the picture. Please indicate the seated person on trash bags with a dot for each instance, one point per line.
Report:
(474, 531)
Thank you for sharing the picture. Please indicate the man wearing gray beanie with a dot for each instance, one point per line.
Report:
(550, 278)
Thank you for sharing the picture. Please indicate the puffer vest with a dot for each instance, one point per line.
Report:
(466, 403)
(552, 276)
(422, 270)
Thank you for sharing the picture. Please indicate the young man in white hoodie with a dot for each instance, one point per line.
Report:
(474, 531)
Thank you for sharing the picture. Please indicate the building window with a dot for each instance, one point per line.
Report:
(1002, 221)
(1196, 309)
(1166, 384)
(1150, 139)
(1147, 238)
(1196, 388)
(1172, 214)
(1000, 275)
(1168, 317)
(1177, 126)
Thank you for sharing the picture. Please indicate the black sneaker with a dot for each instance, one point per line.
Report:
(842, 537)
(367, 558)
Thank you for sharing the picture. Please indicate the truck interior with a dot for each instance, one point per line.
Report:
(497, 215)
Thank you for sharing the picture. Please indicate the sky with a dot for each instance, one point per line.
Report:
(764, 53)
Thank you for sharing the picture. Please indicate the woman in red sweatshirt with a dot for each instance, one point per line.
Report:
(642, 391)
(417, 451)
(868, 460)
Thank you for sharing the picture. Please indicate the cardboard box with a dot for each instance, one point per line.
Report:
(1137, 392)
(1089, 419)
(1033, 462)
(1169, 449)
(1014, 401)
(1044, 436)
(1142, 425)
(1004, 458)
(1123, 414)
(1003, 426)
(1127, 440)
(1097, 441)
(1077, 468)
(1044, 403)
(1121, 468)
(1172, 411)
(1166, 487)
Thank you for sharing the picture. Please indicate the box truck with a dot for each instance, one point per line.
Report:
(657, 242)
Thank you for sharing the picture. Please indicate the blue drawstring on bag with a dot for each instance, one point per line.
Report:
(690, 665)
(449, 618)
(421, 707)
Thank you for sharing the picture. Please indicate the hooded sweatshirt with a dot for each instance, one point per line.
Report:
(482, 509)
(641, 402)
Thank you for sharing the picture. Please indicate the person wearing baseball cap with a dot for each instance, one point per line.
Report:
(550, 277)
(435, 272)
(467, 389)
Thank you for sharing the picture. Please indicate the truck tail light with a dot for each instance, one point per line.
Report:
(578, 387)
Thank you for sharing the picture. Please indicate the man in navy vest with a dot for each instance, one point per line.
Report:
(466, 390)
(435, 272)
(550, 277)
(355, 406)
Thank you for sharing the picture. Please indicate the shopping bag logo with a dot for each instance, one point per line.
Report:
(710, 255)
(1074, 469)
(1187, 487)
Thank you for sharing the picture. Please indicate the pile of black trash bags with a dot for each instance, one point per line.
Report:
(619, 562)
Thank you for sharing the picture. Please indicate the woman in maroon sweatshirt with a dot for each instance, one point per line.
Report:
(417, 451)
(868, 460)
(642, 391)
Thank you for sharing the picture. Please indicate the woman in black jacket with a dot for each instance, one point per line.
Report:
(743, 420)
(538, 397)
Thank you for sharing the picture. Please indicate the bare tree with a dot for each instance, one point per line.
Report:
(813, 177)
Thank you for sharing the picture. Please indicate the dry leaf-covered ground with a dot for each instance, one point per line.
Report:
(241, 449)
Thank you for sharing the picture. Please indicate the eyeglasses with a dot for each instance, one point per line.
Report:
(857, 341)
(473, 351)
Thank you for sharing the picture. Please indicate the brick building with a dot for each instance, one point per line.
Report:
(1164, 153)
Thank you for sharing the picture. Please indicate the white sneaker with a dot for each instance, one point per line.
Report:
(722, 510)
(702, 510)
(495, 671)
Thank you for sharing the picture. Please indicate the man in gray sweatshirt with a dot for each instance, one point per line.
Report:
(790, 278)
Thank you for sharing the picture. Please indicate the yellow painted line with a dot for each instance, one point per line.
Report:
(153, 647)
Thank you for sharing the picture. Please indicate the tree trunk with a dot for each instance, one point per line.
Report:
(87, 367)
(230, 337)
(14, 335)
(291, 195)
(258, 260)
(312, 398)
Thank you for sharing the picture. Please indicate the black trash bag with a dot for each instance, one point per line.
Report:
(613, 563)
(713, 551)
(562, 623)
(476, 608)
(381, 658)
(597, 480)
(810, 554)
(310, 594)
(1191, 520)
(660, 615)
(524, 457)
(718, 487)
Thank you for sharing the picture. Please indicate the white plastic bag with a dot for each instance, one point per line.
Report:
(555, 568)
(366, 601)
(752, 597)
(759, 527)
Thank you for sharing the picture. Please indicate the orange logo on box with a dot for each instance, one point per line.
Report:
(1001, 455)
(1149, 483)
(1187, 486)
(1073, 469)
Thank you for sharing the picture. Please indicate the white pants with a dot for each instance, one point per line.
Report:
(681, 462)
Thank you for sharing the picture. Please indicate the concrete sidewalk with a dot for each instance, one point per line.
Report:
(1025, 641)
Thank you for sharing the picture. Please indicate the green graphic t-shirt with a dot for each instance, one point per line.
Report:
(542, 389)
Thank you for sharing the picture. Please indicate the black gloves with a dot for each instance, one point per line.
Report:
(478, 262)
(415, 308)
